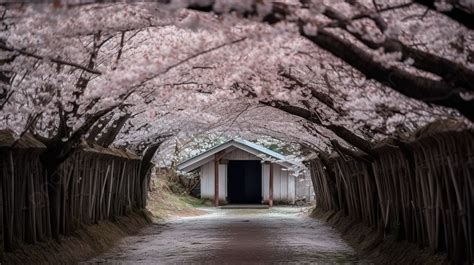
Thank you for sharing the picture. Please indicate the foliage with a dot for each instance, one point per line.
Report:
(248, 69)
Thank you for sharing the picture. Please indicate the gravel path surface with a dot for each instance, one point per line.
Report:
(276, 235)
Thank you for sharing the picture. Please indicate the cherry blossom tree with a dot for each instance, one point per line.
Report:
(344, 72)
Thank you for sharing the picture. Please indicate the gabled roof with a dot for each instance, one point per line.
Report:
(242, 144)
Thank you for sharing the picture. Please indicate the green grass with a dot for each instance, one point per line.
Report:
(165, 204)
(195, 202)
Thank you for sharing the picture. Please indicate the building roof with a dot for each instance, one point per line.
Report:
(242, 144)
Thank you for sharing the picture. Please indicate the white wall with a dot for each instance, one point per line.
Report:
(222, 182)
(283, 184)
(239, 154)
(207, 181)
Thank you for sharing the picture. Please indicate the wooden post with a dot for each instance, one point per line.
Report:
(270, 190)
(216, 180)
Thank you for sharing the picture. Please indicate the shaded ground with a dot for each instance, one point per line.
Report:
(374, 246)
(234, 237)
(84, 243)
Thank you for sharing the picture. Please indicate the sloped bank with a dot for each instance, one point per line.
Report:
(417, 189)
(371, 244)
(164, 203)
(83, 244)
(93, 185)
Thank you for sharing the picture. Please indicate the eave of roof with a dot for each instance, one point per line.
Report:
(204, 157)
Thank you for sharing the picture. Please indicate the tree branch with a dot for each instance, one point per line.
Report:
(189, 58)
(406, 83)
(54, 60)
(413, 86)
(313, 117)
(450, 71)
(322, 97)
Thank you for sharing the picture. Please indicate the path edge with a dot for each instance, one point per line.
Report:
(83, 244)
(371, 245)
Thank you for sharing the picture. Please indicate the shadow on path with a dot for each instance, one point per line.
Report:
(277, 235)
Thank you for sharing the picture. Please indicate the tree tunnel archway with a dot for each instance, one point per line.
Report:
(331, 77)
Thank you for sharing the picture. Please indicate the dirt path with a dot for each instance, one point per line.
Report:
(235, 237)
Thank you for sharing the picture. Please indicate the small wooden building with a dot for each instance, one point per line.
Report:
(240, 172)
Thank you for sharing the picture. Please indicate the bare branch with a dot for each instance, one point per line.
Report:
(55, 60)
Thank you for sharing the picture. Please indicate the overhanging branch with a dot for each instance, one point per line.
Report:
(54, 60)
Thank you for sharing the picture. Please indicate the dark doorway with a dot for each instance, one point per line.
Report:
(244, 181)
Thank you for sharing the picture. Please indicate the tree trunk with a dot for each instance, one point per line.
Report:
(145, 167)
(331, 178)
(57, 151)
(111, 132)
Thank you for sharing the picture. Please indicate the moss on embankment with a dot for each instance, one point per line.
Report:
(164, 204)
(371, 244)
